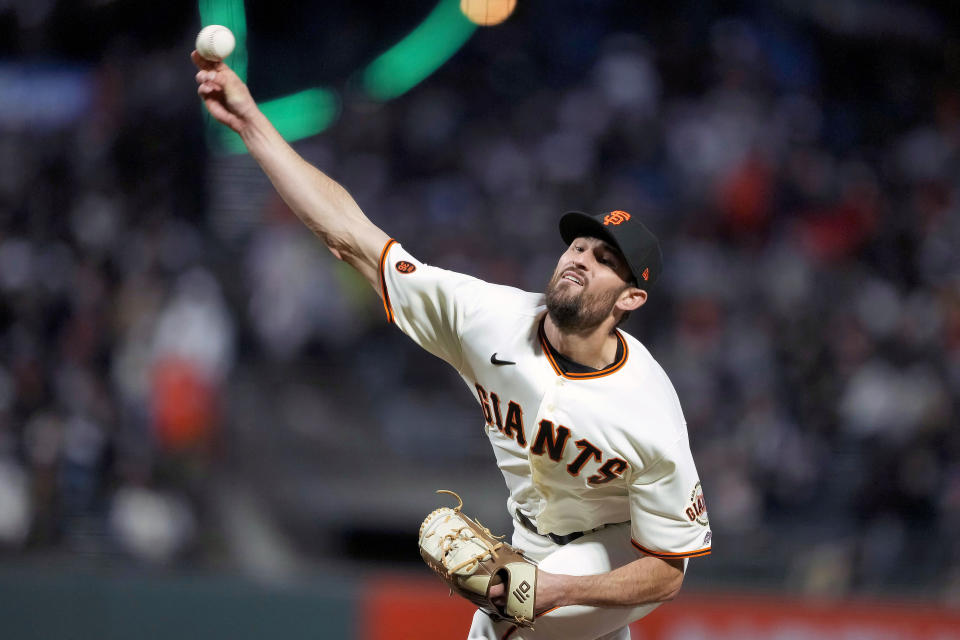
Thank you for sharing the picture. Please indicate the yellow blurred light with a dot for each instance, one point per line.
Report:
(487, 13)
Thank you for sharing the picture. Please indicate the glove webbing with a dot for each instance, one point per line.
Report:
(451, 537)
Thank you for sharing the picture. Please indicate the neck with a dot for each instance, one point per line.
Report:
(595, 347)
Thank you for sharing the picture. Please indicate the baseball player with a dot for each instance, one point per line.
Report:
(585, 425)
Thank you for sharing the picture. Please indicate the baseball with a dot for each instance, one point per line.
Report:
(487, 13)
(215, 42)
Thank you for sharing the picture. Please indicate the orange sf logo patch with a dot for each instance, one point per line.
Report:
(616, 217)
(405, 267)
(646, 273)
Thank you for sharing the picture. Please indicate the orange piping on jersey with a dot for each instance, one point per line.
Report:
(509, 633)
(663, 554)
(613, 368)
(543, 613)
(383, 279)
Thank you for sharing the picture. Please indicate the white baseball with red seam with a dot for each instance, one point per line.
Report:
(215, 42)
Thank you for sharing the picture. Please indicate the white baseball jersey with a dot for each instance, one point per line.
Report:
(577, 450)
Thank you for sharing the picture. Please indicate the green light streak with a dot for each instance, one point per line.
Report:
(232, 15)
(296, 116)
(421, 53)
(309, 112)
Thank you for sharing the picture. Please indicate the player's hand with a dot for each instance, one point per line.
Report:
(498, 594)
(549, 589)
(223, 92)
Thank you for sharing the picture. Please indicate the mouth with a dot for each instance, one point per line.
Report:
(572, 276)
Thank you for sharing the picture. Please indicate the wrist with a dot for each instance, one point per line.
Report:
(253, 125)
(553, 590)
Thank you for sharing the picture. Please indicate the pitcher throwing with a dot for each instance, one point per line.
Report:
(585, 425)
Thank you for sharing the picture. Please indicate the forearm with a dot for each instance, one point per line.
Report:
(318, 200)
(321, 203)
(643, 581)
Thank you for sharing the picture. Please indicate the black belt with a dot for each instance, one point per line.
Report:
(561, 540)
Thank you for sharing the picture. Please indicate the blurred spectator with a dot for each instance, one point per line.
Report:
(153, 526)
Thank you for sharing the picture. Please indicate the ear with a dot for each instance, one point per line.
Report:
(631, 298)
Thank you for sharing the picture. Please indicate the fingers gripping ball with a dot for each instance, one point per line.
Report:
(215, 42)
(470, 560)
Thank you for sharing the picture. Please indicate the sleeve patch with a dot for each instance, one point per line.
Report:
(697, 510)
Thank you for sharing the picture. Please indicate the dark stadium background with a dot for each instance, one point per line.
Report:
(199, 405)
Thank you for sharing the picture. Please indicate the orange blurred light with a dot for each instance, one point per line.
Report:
(184, 405)
(487, 12)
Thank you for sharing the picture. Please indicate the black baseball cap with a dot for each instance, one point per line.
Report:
(622, 230)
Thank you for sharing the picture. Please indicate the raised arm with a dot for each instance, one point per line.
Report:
(320, 202)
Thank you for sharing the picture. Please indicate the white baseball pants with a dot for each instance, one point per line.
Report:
(597, 552)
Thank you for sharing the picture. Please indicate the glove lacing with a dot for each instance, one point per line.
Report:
(466, 533)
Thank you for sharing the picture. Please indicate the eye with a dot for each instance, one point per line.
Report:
(607, 259)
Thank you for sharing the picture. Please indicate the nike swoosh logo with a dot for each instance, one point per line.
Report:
(495, 360)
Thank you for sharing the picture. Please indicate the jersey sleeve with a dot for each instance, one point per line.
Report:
(427, 303)
(667, 509)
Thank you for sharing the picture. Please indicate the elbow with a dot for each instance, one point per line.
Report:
(338, 241)
(343, 247)
(671, 588)
(671, 593)
(348, 245)
(339, 247)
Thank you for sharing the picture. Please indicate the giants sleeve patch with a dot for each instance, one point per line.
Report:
(697, 511)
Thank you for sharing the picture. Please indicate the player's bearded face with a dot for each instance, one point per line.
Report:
(580, 308)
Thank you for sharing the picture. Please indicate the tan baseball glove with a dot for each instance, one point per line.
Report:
(470, 560)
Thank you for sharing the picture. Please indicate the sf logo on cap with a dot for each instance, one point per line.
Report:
(616, 217)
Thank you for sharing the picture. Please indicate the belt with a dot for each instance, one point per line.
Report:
(561, 540)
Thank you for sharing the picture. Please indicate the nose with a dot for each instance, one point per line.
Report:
(580, 260)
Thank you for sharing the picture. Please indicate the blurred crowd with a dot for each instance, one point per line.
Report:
(170, 334)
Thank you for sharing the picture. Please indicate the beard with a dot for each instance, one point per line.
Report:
(574, 310)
